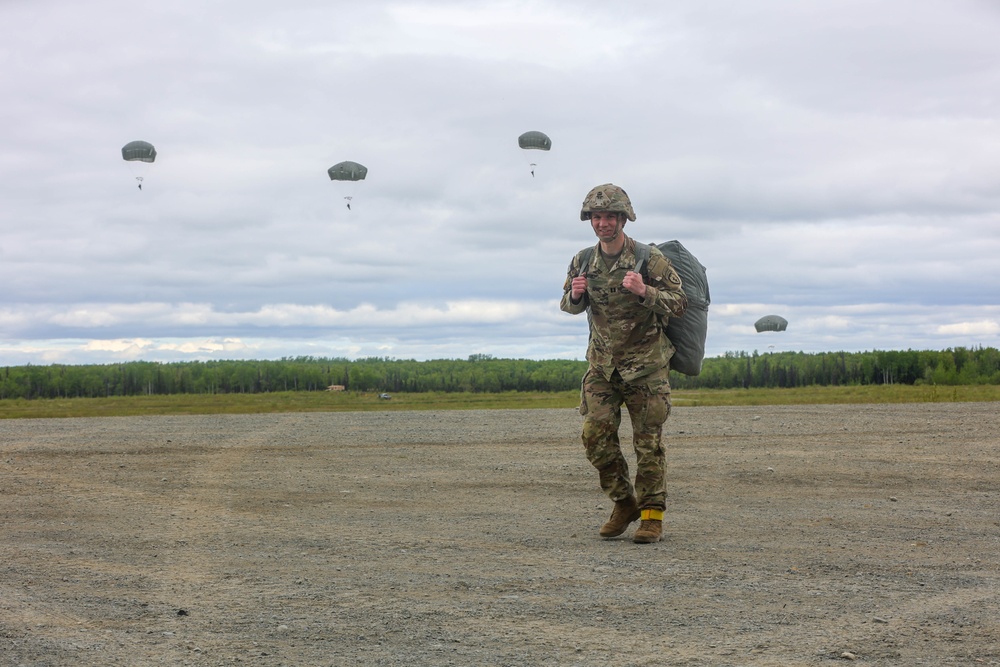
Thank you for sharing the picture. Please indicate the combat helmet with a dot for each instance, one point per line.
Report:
(607, 197)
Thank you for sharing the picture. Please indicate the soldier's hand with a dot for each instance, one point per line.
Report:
(578, 288)
(633, 283)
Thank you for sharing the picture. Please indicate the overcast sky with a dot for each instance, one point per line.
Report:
(836, 163)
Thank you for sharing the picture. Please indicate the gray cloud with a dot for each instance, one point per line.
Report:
(835, 163)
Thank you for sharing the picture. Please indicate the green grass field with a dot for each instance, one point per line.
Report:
(194, 404)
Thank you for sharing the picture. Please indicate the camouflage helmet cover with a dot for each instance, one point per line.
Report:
(607, 197)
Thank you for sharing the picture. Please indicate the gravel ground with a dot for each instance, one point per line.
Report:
(795, 535)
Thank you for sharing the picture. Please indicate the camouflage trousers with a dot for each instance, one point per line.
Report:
(648, 403)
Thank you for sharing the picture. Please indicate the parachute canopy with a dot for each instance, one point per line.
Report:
(688, 333)
(347, 171)
(771, 323)
(535, 141)
(138, 151)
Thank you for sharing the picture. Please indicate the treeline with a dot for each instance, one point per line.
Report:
(958, 366)
(484, 373)
(479, 373)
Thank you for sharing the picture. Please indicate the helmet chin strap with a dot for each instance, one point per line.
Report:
(619, 228)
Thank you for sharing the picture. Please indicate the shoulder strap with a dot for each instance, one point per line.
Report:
(585, 256)
(641, 258)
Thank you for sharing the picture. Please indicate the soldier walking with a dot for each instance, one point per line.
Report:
(628, 308)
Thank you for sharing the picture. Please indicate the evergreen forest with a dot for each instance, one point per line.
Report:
(484, 373)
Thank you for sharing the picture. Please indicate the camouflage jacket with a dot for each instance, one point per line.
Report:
(627, 332)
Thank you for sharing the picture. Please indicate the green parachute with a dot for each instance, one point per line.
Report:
(771, 323)
(139, 154)
(347, 171)
(534, 140)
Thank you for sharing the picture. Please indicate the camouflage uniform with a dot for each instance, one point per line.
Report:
(629, 355)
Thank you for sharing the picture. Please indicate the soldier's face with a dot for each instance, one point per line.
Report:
(605, 224)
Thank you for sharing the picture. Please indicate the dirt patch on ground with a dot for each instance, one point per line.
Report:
(794, 536)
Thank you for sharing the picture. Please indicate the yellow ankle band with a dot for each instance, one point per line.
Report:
(655, 515)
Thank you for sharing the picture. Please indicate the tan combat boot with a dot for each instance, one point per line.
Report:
(625, 512)
(651, 528)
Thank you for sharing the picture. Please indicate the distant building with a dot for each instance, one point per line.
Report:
(336, 387)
